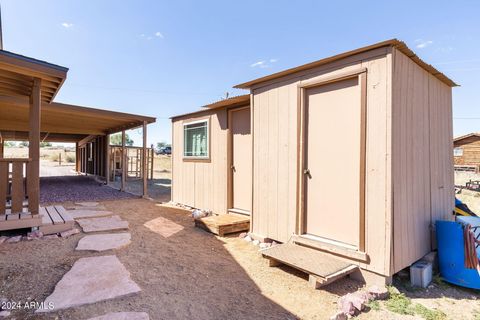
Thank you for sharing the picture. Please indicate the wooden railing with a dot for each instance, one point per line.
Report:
(14, 188)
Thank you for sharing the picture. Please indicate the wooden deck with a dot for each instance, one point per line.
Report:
(55, 219)
(322, 268)
(51, 220)
(19, 221)
(224, 223)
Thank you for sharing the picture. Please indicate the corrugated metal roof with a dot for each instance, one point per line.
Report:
(392, 42)
(224, 103)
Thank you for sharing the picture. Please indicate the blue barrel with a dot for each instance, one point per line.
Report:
(451, 256)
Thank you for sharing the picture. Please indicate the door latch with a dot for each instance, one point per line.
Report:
(307, 173)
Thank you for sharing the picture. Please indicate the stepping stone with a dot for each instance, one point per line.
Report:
(86, 208)
(103, 224)
(91, 280)
(87, 204)
(123, 316)
(163, 226)
(88, 213)
(102, 242)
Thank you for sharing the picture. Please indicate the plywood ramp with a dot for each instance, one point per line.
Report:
(322, 268)
(55, 219)
(224, 223)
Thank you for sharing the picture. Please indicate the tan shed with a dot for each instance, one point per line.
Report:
(211, 157)
(466, 152)
(351, 156)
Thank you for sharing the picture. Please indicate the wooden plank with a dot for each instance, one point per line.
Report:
(18, 194)
(3, 186)
(66, 217)
(35, 221)
(56, 218)
(224, 224)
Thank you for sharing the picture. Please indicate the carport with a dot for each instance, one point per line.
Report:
(27, 112)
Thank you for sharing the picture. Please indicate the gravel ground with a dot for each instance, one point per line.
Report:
(76, 188)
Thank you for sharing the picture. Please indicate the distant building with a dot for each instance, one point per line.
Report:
(466, 152)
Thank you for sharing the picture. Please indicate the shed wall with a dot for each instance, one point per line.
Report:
(471, 151)
(422, 159)
(276, 153)
(202, 183)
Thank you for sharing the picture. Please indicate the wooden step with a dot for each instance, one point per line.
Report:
(224, 223)
(323, 268)
(55, 219)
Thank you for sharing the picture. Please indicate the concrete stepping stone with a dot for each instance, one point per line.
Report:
(103, 224)
(102, 242)
(87, 213)
(123, 316)
(87, 204)
(91, 280)
(163, 226)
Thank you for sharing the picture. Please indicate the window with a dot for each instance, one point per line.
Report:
(195, 143)
(458, 152)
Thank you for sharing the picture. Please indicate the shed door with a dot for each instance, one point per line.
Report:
(241, 159)
(333, 159)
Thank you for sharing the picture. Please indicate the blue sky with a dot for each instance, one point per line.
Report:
(163, 58)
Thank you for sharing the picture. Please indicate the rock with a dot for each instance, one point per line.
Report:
(89, 213)
(4, 313)
(68, 233)
(274, 243)
(34, 235)
(3, 239)
(50, 236)
(91, 280)
(14, 239)
(378, 293)
(247, 238)
(242, 235)
(102, 242)
(163, 226)
(339, 316)
(87, 204)
(256, 242)
(103, 224)
(352, 302)
(265, 245)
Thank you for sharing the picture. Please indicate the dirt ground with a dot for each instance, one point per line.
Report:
(194, 275)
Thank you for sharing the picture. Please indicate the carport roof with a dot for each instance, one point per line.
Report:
(65, 122)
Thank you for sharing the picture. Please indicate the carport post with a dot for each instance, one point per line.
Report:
(33, 171)
(107, 159)
(144, 161)
(2, 147)
(124, 163)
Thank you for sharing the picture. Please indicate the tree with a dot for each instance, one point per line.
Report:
(45, 144)
(162, 144)
(23, 144)
(116, 140)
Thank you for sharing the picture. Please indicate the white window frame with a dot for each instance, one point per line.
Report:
(458, 152)
(185, 124)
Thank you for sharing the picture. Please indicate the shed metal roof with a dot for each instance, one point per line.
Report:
(392, 42)
(224, 103)
(474, 134)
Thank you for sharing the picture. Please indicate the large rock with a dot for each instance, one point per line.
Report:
(91, 280)
(103, 224)
(102, 242)
(378, 293)
(123, 316)
(88, 213)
